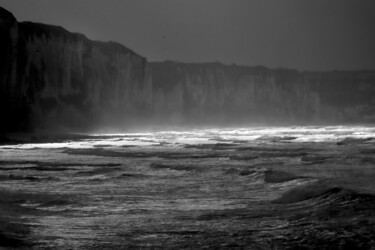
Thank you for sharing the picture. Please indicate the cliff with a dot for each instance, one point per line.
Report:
(231, 94)
(54, 79)
(350, 95)
(217, 93)
(9, 108)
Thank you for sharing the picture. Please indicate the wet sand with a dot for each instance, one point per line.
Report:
(260, 188)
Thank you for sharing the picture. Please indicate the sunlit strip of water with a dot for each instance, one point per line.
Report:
(195, 136)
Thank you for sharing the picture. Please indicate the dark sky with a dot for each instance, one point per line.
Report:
(301, 34)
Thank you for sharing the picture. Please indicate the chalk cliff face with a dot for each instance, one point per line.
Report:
(56, 79)
(349, 95)
(51, 78)
(217, 93)
(73, 81)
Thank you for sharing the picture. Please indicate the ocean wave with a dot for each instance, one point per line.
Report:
(322, 190)
(264, 174)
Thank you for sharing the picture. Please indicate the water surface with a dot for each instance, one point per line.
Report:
(254, 188)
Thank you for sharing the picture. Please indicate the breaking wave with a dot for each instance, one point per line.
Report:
(322, 190)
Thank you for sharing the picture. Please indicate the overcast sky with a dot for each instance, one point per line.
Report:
(301, 34)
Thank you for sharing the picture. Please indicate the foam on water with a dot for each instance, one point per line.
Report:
(302, 134)
(210, 136)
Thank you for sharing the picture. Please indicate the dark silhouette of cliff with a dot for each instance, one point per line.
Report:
(52, 78)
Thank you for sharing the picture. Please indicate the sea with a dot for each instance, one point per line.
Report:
(300, 187)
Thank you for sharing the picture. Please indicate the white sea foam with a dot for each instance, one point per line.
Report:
(215, 135)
